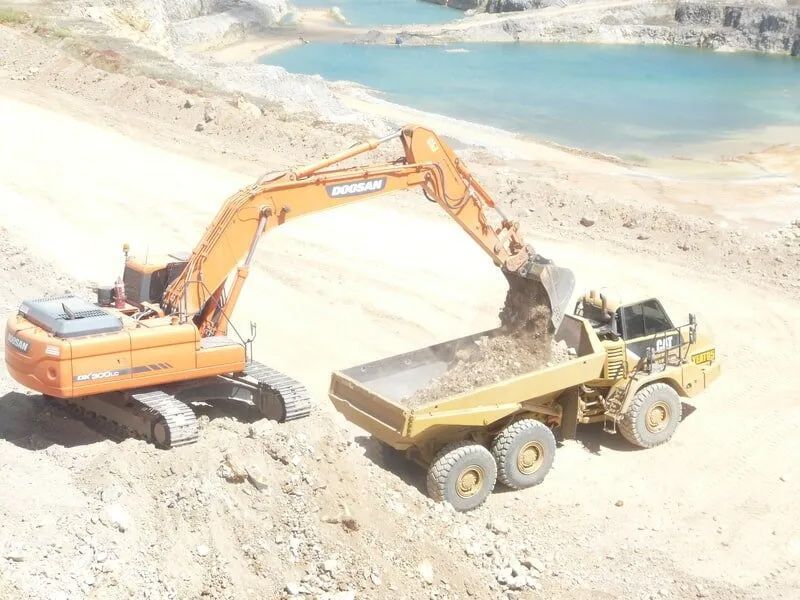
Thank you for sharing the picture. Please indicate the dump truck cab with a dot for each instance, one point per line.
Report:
(644, 347)
(650, 336)
(642, 325)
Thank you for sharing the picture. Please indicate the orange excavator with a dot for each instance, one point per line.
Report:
(158, 340)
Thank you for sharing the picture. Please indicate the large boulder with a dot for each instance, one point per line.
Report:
(699, 13)
(271, 11)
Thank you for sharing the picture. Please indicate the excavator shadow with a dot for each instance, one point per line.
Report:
(595, 439)
(241, 411)
(33, 423)
(389, 459)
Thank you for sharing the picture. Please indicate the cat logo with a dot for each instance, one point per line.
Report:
(356, 189)
(664, 344)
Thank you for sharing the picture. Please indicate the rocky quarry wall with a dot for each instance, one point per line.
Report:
(170, 29)
(168, 25)
(763, 25)
(498, 6)
(767, 27)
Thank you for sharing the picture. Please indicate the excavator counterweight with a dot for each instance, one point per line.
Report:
(159, 338)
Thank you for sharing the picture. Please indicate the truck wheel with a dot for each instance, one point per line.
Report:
(652, 417)
(463, 474)
(524, 452)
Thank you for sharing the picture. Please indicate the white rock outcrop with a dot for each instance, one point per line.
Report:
(169, 25)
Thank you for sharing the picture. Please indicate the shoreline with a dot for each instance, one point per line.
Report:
(745, 169)
(317, 25)
(314, 26)
(362, 99)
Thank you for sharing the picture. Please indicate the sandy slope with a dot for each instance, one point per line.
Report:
(708, 514)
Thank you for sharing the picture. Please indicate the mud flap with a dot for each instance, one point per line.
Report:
(569, 414)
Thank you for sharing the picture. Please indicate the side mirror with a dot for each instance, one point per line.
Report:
(692, 328)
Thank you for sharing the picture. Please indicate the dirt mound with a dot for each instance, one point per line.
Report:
(489, 360)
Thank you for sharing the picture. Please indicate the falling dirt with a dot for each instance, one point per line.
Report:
(526, 306)
(523, 344)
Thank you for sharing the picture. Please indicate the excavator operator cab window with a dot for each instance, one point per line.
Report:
(643, 319)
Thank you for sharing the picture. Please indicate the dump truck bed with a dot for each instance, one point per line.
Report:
(378, 396)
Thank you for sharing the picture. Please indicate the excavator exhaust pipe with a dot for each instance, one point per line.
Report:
(537, 284)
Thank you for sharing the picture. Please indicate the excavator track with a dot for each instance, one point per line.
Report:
(151, 414)
(173, 423)
(282, 397)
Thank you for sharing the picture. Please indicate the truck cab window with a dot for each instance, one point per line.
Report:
(643, 319)
(656, 319)
(632, 322)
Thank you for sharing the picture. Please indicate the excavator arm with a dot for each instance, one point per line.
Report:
(203, 291)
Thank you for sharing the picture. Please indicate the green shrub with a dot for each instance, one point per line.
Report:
(10, 16)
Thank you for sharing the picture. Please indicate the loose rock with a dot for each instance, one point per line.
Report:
(425, 569)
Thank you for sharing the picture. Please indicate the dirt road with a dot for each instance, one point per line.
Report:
(710, 514)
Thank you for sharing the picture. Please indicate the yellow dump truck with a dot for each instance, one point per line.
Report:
(628, 368)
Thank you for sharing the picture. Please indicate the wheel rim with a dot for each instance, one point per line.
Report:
(658, 417)
(530, 458)
(470, 481)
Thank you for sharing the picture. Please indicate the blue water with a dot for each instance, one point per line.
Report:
(368, 13)
(620, 99)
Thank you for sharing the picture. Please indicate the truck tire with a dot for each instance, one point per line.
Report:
(463, 474)
(524, 452)
(652, 417)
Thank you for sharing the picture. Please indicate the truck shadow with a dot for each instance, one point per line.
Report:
(33, 423)
(389, 459)
(591, 437)
(594, 439)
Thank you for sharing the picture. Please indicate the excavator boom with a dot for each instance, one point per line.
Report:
(428, 163)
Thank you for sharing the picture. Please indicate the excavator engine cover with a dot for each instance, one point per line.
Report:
(69, 316)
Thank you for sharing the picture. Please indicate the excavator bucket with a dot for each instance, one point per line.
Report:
(539, 290)
(558, 284)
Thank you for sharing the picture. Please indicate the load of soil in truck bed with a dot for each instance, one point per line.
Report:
(525, 344)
